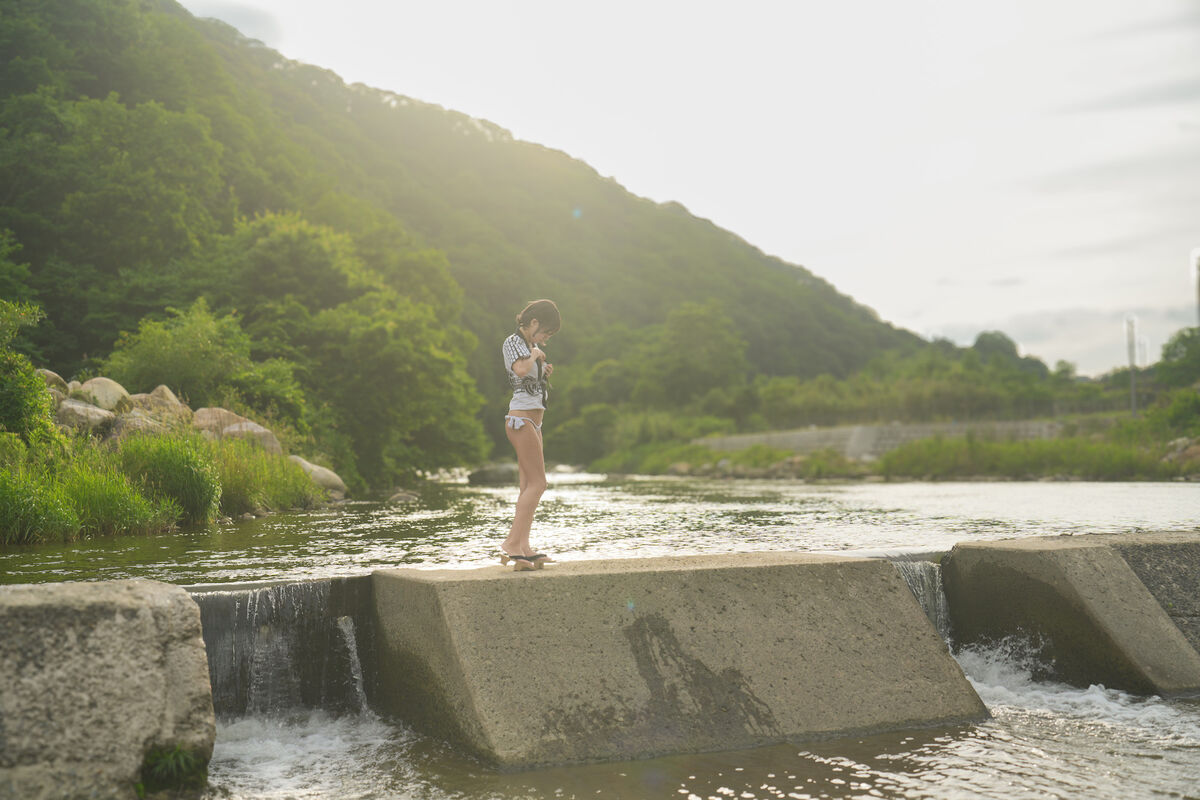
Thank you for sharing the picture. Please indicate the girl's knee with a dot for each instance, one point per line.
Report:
(536, 487)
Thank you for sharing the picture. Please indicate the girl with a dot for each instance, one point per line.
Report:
(528, 372)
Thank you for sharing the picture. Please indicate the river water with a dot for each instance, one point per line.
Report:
(1044, 740)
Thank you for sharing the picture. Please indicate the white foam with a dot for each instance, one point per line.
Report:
(304, 755)
(1003, 677)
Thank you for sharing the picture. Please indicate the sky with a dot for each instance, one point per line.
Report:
(1028, 166)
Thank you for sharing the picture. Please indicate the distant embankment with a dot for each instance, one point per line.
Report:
(872, 441)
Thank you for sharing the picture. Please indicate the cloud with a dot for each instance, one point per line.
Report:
(1172, 93)
(1126, 244)
(956, 282)
(1172, 166)
(251, 22)
(1190, 18)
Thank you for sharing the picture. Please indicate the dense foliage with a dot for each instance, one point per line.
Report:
(358, 239)
(189, 207)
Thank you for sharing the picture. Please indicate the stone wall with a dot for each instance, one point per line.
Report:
(872, 441)
(93, 676)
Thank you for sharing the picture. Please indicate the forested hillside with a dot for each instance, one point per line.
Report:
(368, 248)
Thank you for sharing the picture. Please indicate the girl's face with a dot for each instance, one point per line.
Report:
(535, 333)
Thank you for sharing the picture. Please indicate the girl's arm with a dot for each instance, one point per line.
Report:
(522, 366)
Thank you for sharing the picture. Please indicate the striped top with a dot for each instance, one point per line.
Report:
(529, 392)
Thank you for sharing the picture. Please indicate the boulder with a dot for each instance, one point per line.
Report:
(79, 415)
(402, 496)
(327, 479)
(134, 422)
(253, 432)
(496, 474)
(53, 380)
(215, 420)
(107, 394)
(94, 677)
(163, 405)
(73, 387)
(56, 397)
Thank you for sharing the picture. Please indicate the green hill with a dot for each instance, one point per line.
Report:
(140, 149)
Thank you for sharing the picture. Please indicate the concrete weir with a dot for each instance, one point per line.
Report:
(1118, 610)
(605, 660)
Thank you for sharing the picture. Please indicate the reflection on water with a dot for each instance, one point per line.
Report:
(587, 516)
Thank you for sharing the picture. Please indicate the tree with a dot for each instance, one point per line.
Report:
(697, 350)
(394, 382)
(25, 407)
(1180, 364)
(205, 359)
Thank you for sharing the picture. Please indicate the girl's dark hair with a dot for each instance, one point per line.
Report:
(545, 312)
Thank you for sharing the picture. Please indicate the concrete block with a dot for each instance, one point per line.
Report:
(1077, 595)
(1169, 565)
(92, 677)
(605, 660)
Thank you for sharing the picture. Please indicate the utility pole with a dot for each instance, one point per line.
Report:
(1131, 342)
(1196, 279)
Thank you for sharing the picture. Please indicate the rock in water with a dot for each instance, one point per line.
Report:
(93, 677)
(327, 479)
(495, 474)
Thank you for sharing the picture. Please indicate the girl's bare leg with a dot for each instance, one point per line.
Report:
(528, 443)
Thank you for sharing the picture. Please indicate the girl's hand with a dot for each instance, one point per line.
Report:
(549, 369)
(538, 355)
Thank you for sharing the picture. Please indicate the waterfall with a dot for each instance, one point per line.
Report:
(276, 647)
(924, 578)
(346, 626)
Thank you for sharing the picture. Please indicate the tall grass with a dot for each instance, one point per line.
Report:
(177, 467)
(940, 458)
(107, 503)
(34, 509)
(253, 479)
(147, 484)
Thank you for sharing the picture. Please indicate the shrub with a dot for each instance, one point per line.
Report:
(178, 467)
(25, 405)
(758, 456)
(207, 360)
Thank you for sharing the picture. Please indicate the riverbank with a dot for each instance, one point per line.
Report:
(91, 460)
(82, 488)
(936, 459)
